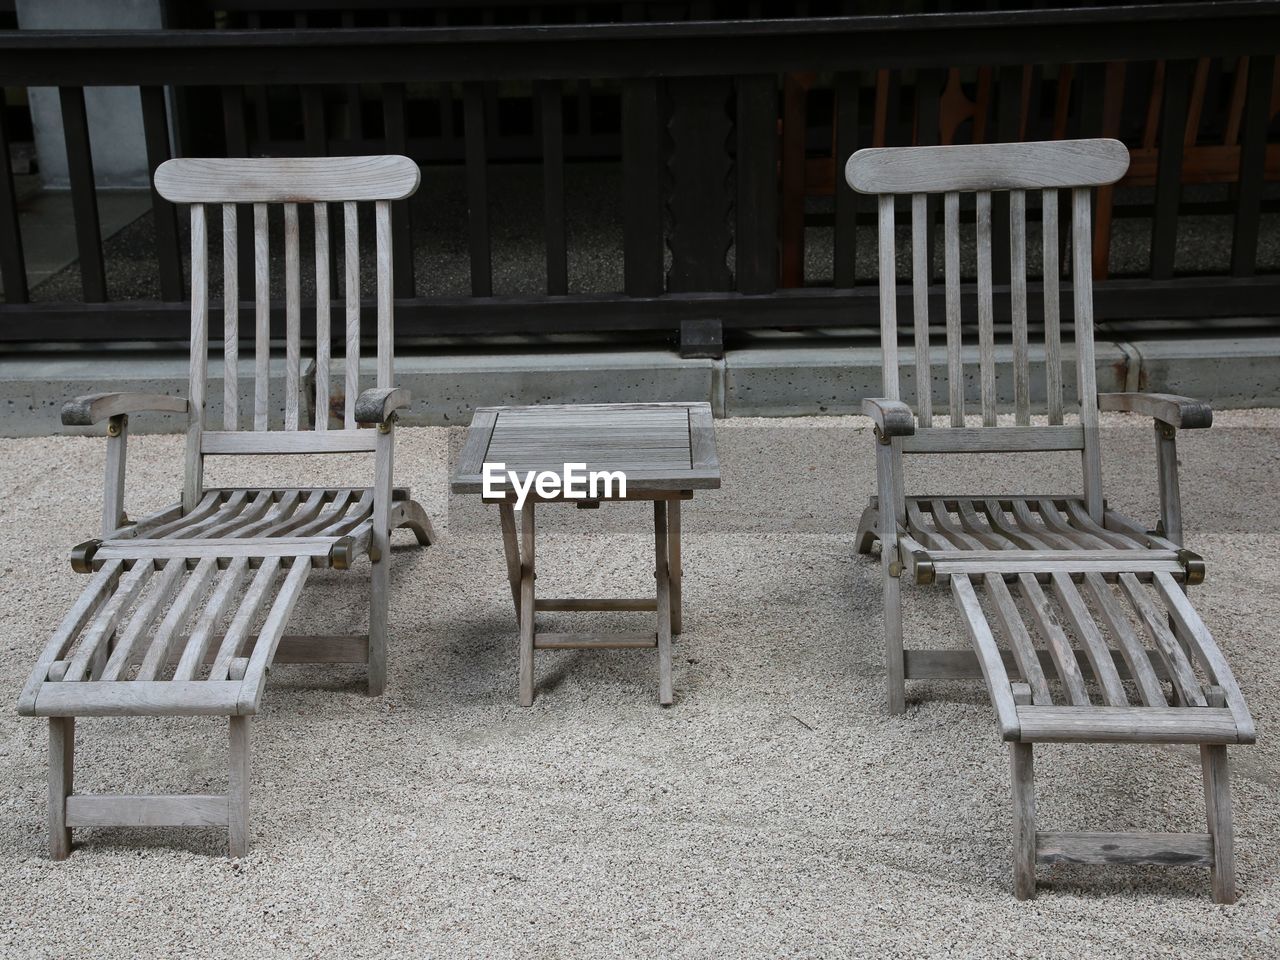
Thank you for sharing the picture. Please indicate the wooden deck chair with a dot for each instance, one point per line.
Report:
(187, 608)
(1100, 643)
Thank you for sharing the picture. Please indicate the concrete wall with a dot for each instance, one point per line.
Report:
(115, 113)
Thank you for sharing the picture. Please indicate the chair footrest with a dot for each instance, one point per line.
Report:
(1094, 724)
(587, 641)
(147, 810)
(1165, 849)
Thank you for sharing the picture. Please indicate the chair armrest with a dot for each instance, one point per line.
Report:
(892, 417)
(377, 405)
(1181, 413)
(95, 407)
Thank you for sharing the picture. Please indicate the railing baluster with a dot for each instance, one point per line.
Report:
(477, 190)
(155, 128)
(236, 131)
(13, 268)
(1253, 156)
(84, 193)
(845, 247)
(551, 111)
(642, 171)
(393, 113)
(756, 233)
(1173, 122)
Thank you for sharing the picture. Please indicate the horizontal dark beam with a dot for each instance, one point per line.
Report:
(1183, 298)
(196, 57)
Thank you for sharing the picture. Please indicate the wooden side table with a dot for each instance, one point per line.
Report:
(666, 451)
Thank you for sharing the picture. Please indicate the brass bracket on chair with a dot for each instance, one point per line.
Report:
(1193, 564)
(386, 425)
(925, 574)
(895, 569)
(82, 556)
(880, 437)
(116, 425)
(1168, 431)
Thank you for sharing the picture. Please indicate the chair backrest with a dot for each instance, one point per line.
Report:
(1016, 168)
(317, 181)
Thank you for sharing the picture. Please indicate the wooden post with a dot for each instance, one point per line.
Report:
(1217, 798)
(676, 570)
(1167, 473)
(1022, 774)
(238, 787)
(662, 575)
(62, 748)
(526, 604)
(113, 490)
(380, 546)
(511, 547)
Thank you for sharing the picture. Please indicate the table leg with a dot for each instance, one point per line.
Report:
(662, 575)
(511, 546)
(526, 605)
(673, 534)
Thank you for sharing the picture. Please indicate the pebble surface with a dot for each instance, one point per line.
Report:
(775, 810)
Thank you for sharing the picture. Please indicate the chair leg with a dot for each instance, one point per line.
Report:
(62, 749)
(238, 788)
(674, 568)
(895, 664)
(1217, 799)
(868, 528)
(527, 577)
(1022, 775)
(511, 548)
(413, 517)
(664, 613)
(380, 595)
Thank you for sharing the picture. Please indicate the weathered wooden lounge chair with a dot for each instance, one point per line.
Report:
(187, 608)
(1100, 641)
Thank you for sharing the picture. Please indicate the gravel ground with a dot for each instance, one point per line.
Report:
(774, 810)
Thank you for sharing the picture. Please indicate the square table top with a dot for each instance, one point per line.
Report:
(659, 446)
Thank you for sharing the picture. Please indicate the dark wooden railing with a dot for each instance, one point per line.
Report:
(699, 127)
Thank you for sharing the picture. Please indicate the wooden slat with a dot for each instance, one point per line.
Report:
(175, 618)
(1052, 305)
(1167, 849)
(230, 320)
(986, 317)
(269, 635)
(198, 362)
(351, 228)
(988, 655)
(197, 645)
(1004, 440)
(1175, 658)
(222, 548)
(232, 521)
(551, 114)
(323, 301)
(587, 641)
(333, 441)
(1135, 655)
(951, 270)
(293, 316)
(1126, 725)
(287, 179)
(1081, 620)
(246, 615)
(1018, 306)
(474, 134)
(84, 194)
(103, 627)
(1009, 620)
(124, 810)
(386, 288)
(1086, 374)
(888, 300)
(1059, 646)
(151, 607)
(1003, 166)
(148, 698)
(920, 305)
(262, 317)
